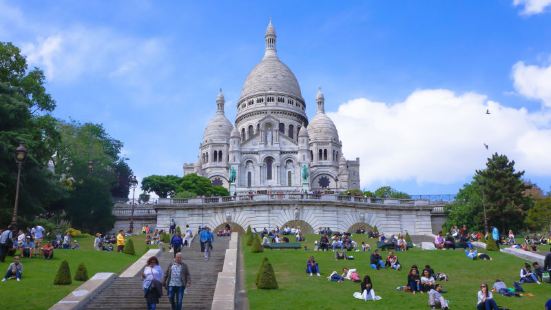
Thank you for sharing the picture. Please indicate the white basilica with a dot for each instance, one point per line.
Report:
(273, 146)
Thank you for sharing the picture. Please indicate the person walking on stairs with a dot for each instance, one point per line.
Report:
(176, 280)
(206, 237)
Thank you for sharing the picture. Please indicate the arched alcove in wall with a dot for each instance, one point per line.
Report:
(355, 227)
(304, 226)
(233, 226)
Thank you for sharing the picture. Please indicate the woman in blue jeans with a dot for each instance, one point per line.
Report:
(176, 280)
(485, 299)
(152, 276)
(312, 267)
(414, 281)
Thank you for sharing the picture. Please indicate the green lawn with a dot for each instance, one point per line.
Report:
(299, 291)
(36, 289)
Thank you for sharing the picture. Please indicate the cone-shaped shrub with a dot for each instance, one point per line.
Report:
(491, 245)
(256, 247)
(82, 273)
(249, 230)
(129, 248)
(165, 238)
(266, 277)
(250, 239)
(375, 229)
(178, 229)
(63, 276)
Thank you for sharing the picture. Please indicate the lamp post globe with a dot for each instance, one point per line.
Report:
(133, 183)
(20, 156)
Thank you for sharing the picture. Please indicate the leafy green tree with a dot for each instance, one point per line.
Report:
(539, 217)
(121, 187)
(163, 186)
(200, 186)
(25, 108)
(144, 197)
(467, 208)
(389, 192)
(503, 195)
(369, 194)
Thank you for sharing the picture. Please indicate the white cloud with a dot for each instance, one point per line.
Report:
(533, 82)
(531, 7)
(437, 136)
(71, 53)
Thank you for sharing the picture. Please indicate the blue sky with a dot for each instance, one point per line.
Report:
(149, 71)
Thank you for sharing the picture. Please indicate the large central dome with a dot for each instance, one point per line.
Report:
(271, 75)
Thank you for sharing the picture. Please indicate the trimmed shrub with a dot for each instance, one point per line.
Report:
(82, 273)
(491, 245)
(63, 276)
(129, 248)
(250, 239)
(165, 238)
(375, 229)
(256, 247)
(265, 278)
(178, 229)
(249, 230)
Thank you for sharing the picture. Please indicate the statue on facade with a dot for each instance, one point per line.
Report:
(232, 175)
(304, 173)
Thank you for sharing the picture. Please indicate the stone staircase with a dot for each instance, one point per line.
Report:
(127, 293)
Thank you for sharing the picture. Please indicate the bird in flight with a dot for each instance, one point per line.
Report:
(488, 111)
(485, 145)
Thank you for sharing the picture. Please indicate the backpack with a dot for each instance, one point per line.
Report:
(545, 277)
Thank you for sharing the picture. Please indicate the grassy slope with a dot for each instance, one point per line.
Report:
(299, 291)
(36, 290)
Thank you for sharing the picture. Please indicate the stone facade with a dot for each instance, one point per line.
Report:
(273, 147)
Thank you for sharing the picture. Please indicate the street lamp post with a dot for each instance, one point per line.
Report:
(133, 182)
(20, 155)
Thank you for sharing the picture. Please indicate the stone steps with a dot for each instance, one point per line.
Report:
(127, 293)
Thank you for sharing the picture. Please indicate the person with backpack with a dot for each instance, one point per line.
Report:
(6, 242)
(176, 243)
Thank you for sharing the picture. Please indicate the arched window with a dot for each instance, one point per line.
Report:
(243, 134)
(325, 154)
(333, 155)
(336, 156)
(311, 155)
(269, 163)
(217, 182)
(251, 131)
(249, 179)
(220, 156)
(215, 158)
(320, 154)
(207, 156)
(298, 131)
(291, 131)
(258, 127)
(281, 127)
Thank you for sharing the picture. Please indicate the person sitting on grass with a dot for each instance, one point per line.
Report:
(427, 281)
(366, 290)
(392, 261)
(436, 301)
(312, 267)
(48, 251)
(15, 269)
(538, 270)
(449, 243)
(402, 245)
(439, 241)
(527, 276)
(66, 241)
(376, 261)
(366, 246)
(414, 282)
(324, 243)
(28, 248)
(485, 299)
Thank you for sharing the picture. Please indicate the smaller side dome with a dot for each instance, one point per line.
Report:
(219, 127)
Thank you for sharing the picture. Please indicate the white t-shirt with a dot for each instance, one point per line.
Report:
(480, 296)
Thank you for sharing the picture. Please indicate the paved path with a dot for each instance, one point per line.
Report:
(127, 293)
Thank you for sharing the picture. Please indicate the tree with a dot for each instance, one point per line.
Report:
(63, 276)
(467, 208)
(389, 192)
(163, 186)
(539, 216)
(503, 193)
(122, 171)
(25, 108)
(144, 197)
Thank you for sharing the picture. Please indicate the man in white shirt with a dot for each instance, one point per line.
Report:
(38, 232)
